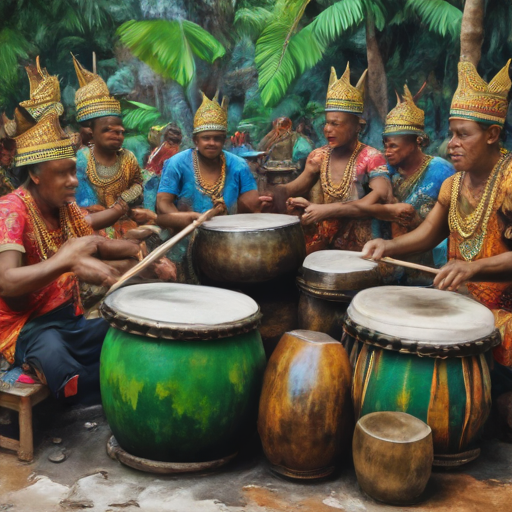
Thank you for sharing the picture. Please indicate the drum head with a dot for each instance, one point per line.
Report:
(421, 320)
(338, 262)
(250, 222)
(180, 311)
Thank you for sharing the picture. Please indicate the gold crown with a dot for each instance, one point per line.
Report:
(93, 97)
(406, 118)
(42, 142)
(343, 97)
(211, 116)
(44, 92)
(478, 101)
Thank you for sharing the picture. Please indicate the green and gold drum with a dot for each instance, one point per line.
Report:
(181, 374)
(423, 351)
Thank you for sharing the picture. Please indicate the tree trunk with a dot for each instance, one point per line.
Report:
(472, 31)
(377, 83)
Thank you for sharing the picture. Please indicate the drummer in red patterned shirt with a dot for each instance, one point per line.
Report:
(45, 247)
(342, 169)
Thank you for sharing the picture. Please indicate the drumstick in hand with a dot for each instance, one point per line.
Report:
(164, 248)
(408, 264)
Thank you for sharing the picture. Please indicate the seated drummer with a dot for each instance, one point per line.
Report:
(474, 208)
(343, 169)
(45, 247)
(194, 180)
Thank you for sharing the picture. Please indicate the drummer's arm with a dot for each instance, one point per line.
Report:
(249, 202)
(107, 217)
(168, 216)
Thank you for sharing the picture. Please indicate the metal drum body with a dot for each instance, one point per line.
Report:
(328, 281)
(305, 416)
(422, 351)
(179, 384)
(249, 248)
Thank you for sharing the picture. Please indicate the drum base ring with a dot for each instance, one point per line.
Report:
(115, 452)
(303, 475)
(456, 459)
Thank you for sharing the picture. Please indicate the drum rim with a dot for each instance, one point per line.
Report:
(296, 222)
(420, 348)
(334, 295)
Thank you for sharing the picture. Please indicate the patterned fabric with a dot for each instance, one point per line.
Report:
(211, 116)
(96, 191)
(496, 296)
(159, 155)
(344, 97)
(478, 101)
(348, 234)
(17, 233)
(406, 118)
(423, 197)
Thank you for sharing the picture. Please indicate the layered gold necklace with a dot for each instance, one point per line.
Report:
(214, 190)
(342, 190)
(467, 225)
(407, 185)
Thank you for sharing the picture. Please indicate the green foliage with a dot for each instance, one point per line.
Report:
(440, 16)
(168, 47)
(251, 22)
(139, 117)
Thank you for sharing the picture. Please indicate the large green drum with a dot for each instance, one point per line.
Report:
(423, 352)
(181, 374)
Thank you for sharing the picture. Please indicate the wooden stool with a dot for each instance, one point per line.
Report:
(21, 398)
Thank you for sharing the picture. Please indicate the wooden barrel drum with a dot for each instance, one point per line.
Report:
(305, 418)
(180, 375)
(328, 281)
(423, 351)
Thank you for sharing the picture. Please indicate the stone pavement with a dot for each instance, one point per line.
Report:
(89, 480)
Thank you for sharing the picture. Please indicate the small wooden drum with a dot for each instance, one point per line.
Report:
(181, 373)
(305, 419)
(422, 351)
(249, 248)
(393, 456)
(328, 281)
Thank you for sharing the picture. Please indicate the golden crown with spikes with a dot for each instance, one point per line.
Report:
(42, 142)
(93, 98)
(44, 92)
(211, 116)
(406, 118)
(478, 101)
(343, 97)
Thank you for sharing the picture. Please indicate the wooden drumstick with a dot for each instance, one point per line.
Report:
(164, 248)
(408, 264)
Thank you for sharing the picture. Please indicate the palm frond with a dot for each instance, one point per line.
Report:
(251, 22)
(440, 16)
(168, 47)
(139, 117)
(14, 47)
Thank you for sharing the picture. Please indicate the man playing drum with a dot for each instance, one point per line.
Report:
(473, 208)
(45, 247)
(343, 168)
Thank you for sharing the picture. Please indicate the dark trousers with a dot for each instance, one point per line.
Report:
(61, 346)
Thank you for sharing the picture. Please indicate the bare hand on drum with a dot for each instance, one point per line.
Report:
(142, 216)
(374, 249)
(94, 271)
(117, 249)
(267, 203)
(165, 269)
(222, 206)
(454, 274)
(296, 205)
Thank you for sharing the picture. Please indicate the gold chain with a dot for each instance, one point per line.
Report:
(405, 188)
(214, 190)
(341, 190)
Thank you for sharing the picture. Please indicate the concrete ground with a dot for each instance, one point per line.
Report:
(89, 480)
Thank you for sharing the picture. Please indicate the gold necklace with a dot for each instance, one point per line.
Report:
(341, 190)
(214, 190)
(466, 225)
(406, 186)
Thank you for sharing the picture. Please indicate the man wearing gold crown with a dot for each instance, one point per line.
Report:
(45, 247)
(474, 206)
(194, 180)
(343, 169)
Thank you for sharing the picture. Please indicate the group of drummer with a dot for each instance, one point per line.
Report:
(402, 203)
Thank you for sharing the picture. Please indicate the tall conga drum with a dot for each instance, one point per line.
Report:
(180, 373)
(305, 417)
(423, 351)
(258, 254)
(328, 281)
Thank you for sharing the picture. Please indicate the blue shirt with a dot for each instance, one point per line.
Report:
(178, 178)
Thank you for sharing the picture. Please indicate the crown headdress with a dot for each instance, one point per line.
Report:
(44, 92)
(406, 118)
(478, 101)
(42, 142)
(93, 98)
(343, 97)
(211, 116)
